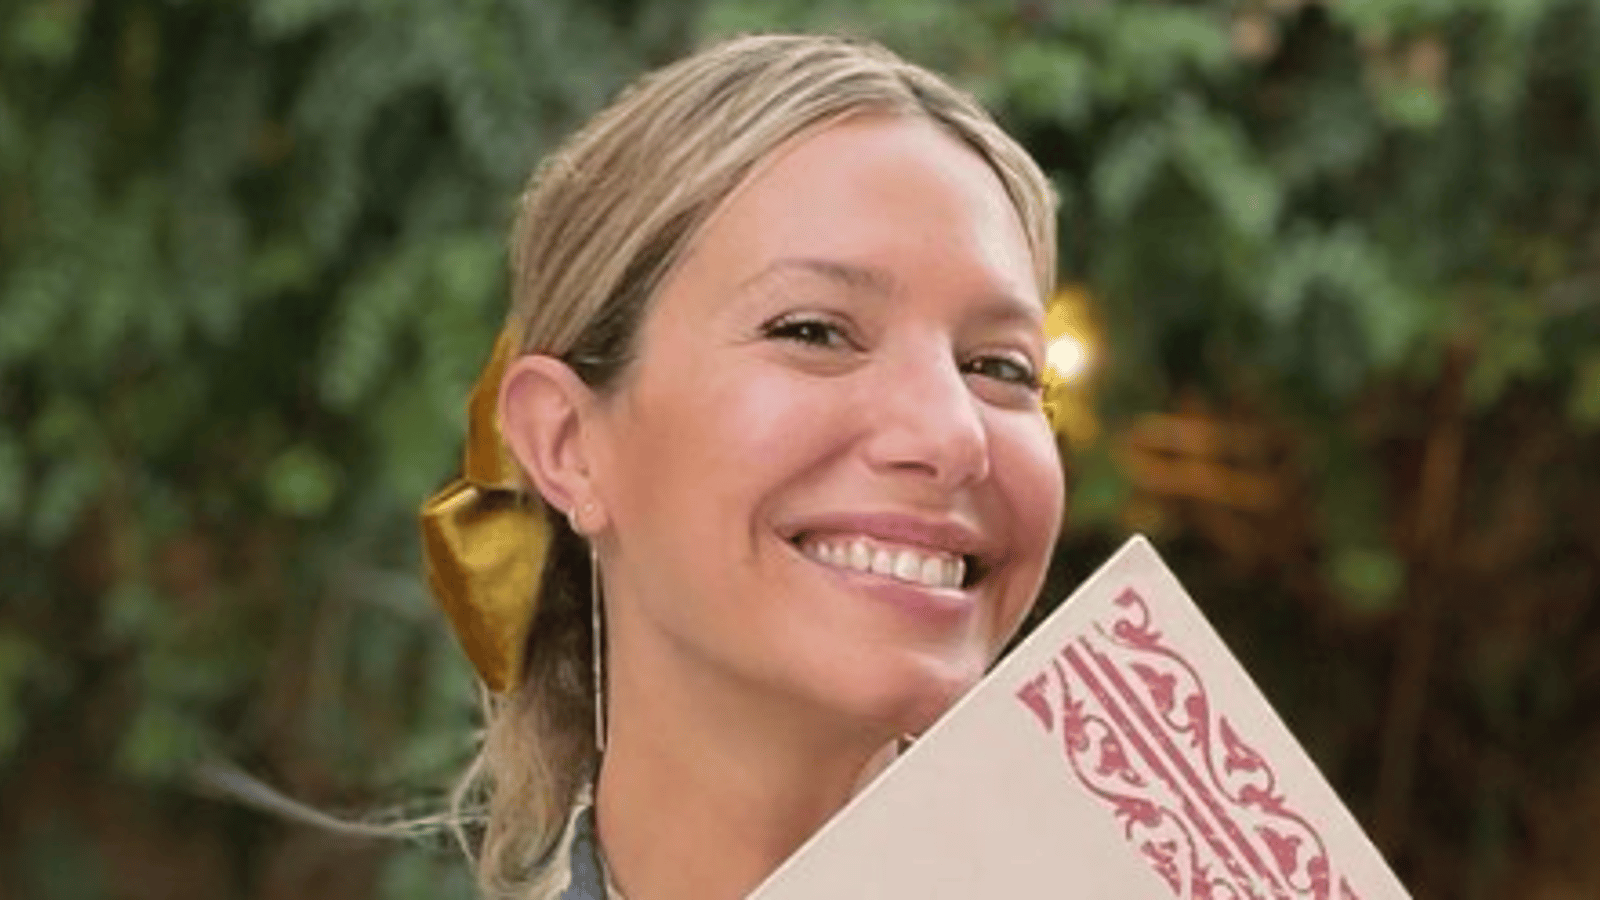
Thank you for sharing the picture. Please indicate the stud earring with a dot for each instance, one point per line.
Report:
(582, 513)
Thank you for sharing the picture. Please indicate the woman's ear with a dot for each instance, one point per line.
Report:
(544, 407)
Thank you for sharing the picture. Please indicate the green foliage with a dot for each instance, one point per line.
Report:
(60, 863)
(300, 482)
(1099, 491)
(250, 261)
(424, 876)
(18, 657)
(1368, 579)
(1584, 404)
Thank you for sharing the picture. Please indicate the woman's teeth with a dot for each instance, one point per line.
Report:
(929, 568)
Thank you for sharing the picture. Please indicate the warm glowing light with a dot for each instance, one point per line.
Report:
(1068, 356)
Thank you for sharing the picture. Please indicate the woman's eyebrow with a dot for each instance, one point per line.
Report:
(863, 279)
(1006, 309)
(1002, 308)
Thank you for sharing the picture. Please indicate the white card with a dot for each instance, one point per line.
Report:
(1119, 752)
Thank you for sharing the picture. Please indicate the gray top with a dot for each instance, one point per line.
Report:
(578, 854)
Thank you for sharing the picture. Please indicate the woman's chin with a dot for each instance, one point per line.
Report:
(907, 699)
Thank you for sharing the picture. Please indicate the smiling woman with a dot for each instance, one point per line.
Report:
(772, 373)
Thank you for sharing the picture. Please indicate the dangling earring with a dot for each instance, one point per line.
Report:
(597, 629)
(596, 626)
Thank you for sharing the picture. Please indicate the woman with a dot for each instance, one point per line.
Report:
(772, 371)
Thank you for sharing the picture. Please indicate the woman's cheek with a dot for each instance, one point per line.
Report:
(1035, 489)
(780, 412)
(1027, 456)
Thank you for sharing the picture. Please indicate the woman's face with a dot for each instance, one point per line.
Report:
(828, 477)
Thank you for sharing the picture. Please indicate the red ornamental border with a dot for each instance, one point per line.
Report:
(1139, 731)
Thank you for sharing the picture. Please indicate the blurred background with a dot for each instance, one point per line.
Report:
(1332, 306)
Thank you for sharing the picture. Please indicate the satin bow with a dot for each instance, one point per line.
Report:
(484, 540)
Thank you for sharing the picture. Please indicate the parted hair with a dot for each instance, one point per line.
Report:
(603, 221)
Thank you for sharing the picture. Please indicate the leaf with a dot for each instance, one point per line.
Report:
(1382, 18)
(415, 873)
(58, 861)
(281, 265)
(195, 677)
(160, 413)
(211, 237)
(64, 493)
(375, 308)
(1508, 348)
(63, 178)
(1495, 85)
(132, 614)
(356, 73)
(123, 287)
(468, 271)
(1051, 82)
(1128, 167)
(34, 302)
(1349, 269)
(222, 111)
(280, 19)
(460, 321)
(1411, 103)
(494, 114)
(1332, 358)
(419, 445)
(1099, 491)
(1150, 48)
(1223, 166)
(66, 425)
(48, 31)
(1333, 130)
(1583, 399)
(301, 482)
(1367, 579)
(18, 660)
(163, 742)
(14, 139)
(13, 479)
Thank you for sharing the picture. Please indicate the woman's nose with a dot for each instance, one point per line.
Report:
(924, 420)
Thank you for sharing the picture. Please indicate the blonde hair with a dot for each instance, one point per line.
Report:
(603, 221)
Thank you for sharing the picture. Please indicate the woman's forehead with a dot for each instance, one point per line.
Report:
(835, 195)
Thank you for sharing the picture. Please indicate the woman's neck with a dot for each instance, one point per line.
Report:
(704, 789)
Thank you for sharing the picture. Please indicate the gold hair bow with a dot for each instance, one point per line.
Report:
(484, 540)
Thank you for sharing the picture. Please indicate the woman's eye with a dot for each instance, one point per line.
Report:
(1004, 368)
(808, 330)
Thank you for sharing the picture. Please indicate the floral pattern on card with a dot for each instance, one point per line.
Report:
(1140, 731)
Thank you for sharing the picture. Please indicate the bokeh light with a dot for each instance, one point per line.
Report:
(1068, 356)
